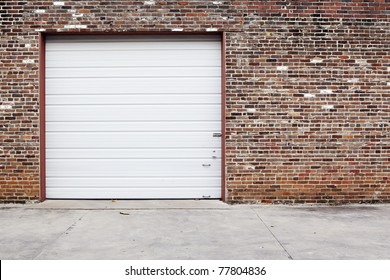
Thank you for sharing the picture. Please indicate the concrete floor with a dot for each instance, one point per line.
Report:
(192, 230)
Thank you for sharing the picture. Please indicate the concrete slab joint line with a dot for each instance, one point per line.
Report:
(280, 243)
(69, 229)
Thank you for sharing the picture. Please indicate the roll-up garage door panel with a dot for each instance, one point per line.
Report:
(131, 72)
(130, 167)
(133, 126)
(134, 153)
(67, 140)
(140, 58)
(134, 193)
(133, 86)
(135, 99)
(133, 113)
(125, 182)
(123, 45)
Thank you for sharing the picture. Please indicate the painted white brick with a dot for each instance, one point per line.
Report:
(77, 15)
(293, 114)
(177, 29)
(251, 110)
(316, 60)
(326, 91)
(79, 26)
(309, 95)
(40, 11)
(388, 83)
(388, 68)
(40, 30)
(249, 167)
(212, 29)
(149, 3)
(217, 2)
(282, 68)
(27, 45)
(361, 61)
(327, 107)
(58, 3)
(28, 61)
(5, 107)
(354, 80)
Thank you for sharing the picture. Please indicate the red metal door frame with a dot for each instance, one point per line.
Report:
(42, 98)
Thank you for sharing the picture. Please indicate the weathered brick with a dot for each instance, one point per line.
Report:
(307, 91)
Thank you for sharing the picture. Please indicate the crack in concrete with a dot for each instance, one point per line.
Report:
(280, 243)
(70, 228)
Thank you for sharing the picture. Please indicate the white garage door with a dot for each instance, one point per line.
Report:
(133, 117)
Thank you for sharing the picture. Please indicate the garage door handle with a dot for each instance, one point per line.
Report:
(206, 164)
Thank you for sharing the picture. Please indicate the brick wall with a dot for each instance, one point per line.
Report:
(307, 84)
